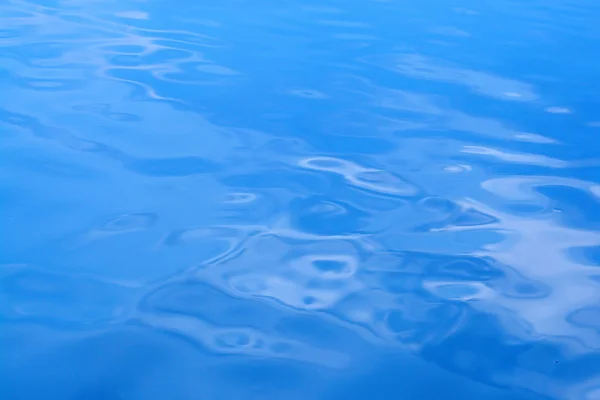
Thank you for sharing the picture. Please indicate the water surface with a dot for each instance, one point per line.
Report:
(299, 199)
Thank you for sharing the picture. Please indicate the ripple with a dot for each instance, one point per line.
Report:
(525, 188)
(558, 110)
(421, 67)
(170, 167)
(535, 138)
(248, 342)
(288, 275)
(116, 225)
(130, 222)
(462, 291)
(51, 85)
(216, 69)
(308, 94)
(32, 293)
(458, 168)
(327, 267)
(240, 198)
(132, 14)
(233, 340)
(368, 178)
(456, 32)
(533, 159)
(321, 215)
(526, 290)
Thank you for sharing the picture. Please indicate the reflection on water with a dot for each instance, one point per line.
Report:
(298, 199)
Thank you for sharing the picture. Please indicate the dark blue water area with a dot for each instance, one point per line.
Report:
(299, 199)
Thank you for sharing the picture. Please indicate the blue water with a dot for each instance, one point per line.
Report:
(299, 199)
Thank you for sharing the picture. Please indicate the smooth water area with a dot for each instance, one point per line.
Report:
(299, 199)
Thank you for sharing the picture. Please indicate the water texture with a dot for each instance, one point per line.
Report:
(299, 199)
